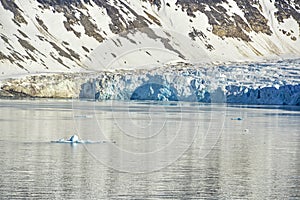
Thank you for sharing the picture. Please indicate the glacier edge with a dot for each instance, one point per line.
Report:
(275, 83)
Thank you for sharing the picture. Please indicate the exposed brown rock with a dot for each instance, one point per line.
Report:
(254, 17)
(285, 10)
(23, 34)
(73, 53)
(230, 30)
(60, 51)
(5, 39)
(154, 19)
(26, 45)
(156, 2)
(227, 26)
(12, 7)
(3, 56)
(90, 28)
(59, 60)
(41, 23)
(86, 49)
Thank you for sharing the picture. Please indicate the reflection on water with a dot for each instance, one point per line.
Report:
(256, 157)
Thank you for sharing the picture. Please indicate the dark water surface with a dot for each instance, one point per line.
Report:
(162, 151)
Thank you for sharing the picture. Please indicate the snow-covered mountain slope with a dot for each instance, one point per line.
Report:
(77, 35)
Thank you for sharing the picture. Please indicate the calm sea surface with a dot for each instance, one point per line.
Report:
(148, 150)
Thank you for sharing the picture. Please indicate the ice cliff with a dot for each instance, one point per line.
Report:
(264, 83)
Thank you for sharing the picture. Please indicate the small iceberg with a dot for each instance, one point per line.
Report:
(237, 118)
(74, 139)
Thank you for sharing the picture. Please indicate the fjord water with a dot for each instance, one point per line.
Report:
(197, 151)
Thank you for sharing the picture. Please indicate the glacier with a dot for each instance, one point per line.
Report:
(276, 83)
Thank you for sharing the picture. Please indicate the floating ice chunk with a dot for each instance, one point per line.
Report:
(74, 138)
(237, 118)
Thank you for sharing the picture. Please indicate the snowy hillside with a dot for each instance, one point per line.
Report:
(77, 35)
